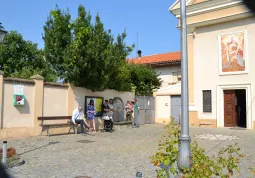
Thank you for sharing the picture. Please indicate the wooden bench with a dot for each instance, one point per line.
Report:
(69, 123)
(120, 124)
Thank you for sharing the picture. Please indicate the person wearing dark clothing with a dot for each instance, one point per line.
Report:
(3, 173)
(107, 116)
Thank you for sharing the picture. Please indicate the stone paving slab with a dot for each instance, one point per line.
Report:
(118, 154)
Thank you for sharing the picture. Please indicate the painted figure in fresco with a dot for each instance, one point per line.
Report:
(239, 56)
(234, 52)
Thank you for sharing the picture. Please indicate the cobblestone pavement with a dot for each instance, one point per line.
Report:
(118, 154)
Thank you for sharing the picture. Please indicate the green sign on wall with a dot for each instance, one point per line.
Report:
(19, 100)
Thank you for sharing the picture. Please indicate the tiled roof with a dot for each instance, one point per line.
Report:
(158, 58)
(18, 80)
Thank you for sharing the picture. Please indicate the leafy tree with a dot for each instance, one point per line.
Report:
(89, 56)
(57, 38)
(144, 78)
(88, 53)
(20, 58)
(95, 60)
(119, 72)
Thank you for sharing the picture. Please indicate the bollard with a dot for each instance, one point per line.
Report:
(4, 154)
(139, 175)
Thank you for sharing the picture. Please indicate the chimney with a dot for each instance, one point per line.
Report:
(139, 52)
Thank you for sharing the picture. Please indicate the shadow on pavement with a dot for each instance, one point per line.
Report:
(50, 143)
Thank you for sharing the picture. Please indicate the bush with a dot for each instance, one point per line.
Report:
(252, 170)
(224, 164)
(10, 152)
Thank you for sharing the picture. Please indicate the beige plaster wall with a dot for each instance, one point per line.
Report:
(17, 116)
(80, 93)
(163, 97)
(166, 74)
(44, 100)
(55, 101)
(206, 63)
(162, 107)
(217, 14)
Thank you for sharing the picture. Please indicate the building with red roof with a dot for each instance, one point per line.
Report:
(171, 58)
(167, 99)
(167, 65)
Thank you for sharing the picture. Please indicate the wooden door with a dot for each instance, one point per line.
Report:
(230, 115)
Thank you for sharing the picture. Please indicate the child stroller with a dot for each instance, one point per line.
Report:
(108, 124)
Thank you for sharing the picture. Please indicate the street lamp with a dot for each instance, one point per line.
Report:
(3, 32)
(184, 151)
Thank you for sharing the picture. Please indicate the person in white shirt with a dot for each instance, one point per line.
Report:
(77, 118)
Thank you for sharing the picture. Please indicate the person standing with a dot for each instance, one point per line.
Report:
(107, 114)
(129, 111)
(78, 119)
(91, 115)
(111, 107)
(106, 110)
(136, 113)
(3, 172)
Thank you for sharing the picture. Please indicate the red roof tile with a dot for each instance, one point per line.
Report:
(158, 58)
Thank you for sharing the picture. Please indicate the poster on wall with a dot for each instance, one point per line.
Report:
(18, 95)
(232, 53)
(95, 102)
(18, 90)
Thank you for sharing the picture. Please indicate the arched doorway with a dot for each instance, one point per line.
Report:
(119, 110)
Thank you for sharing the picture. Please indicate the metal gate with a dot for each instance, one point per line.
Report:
(176, 108)
(147, 109)
(119, 110)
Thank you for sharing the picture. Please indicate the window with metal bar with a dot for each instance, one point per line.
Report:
(207, 101)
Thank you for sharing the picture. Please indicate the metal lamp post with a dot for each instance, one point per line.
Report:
(2, 33)
(184, 151)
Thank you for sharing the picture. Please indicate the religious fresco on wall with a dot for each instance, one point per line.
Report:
(232, 53)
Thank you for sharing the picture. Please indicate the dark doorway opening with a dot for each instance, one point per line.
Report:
(235, 108)
(241, 108)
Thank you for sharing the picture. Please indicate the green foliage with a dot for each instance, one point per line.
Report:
(57, 37)
(224, 164)
(168, 150)
(252, 170)
(22, 59)
(144, 78)
(88, 55)
(12, 161)
(119, 73)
